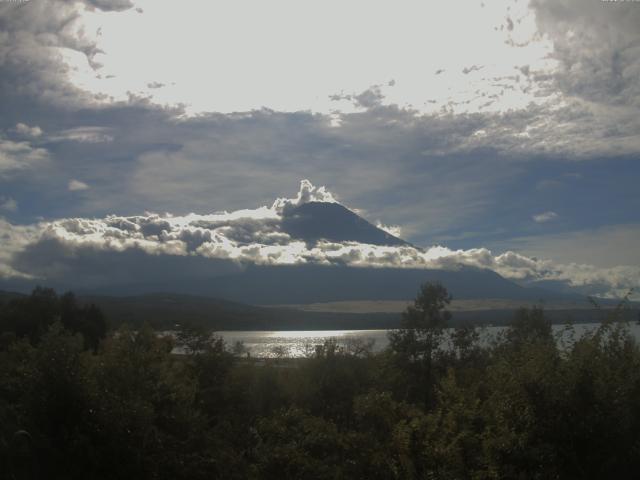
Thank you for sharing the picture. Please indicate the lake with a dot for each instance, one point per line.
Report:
(296, 344)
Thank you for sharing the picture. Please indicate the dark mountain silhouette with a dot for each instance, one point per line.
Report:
(299, 284)
(315, 221)
(134, 272)
(168, 310)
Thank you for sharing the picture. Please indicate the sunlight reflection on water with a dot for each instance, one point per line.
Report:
(301, 343)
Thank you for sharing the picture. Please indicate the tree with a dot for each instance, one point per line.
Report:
(87, 320)
(422, 324)
(31, 317)
(416, 344)
(194, 339)
(528, 326)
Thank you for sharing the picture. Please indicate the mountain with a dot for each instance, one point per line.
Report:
(313, 283)
(302, 284)
(165, 311)
(238, 269)
(305, 284)
(316, 221)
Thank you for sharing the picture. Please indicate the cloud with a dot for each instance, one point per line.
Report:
(36, 35)
(83, 135)
(609, 282)
(52, 250)
(8, 204)
(427, 174)
(77, 185)
(568, 109)
(373, 154)
(597, 45)
(27, 131)
(545, 217)
(472, 68)
(307, 193)
(604, 247)
(13, 240)
(19, 156)
(111, 5)
(425, 168)
(394, 230)
(370, 98)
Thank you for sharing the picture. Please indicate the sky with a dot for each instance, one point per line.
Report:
(502, 133)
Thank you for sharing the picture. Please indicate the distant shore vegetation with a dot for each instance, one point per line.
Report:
(81, 401)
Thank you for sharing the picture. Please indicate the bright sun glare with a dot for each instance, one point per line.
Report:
(240, 56)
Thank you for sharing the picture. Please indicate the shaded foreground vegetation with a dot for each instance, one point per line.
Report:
(77, 401)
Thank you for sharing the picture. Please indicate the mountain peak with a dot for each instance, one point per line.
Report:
(315, 214)
(307, 193)
(314, 221)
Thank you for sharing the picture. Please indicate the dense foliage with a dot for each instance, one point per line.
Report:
(76, 402)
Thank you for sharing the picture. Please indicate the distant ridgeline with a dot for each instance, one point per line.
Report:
(165, 311)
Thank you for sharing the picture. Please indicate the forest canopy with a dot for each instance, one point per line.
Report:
(80, 401)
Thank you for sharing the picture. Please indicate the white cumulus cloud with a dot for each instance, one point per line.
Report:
(76, 185)
(395, 230)
(545, 217)
(19, 156)
(307, 193)
(27, 131)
